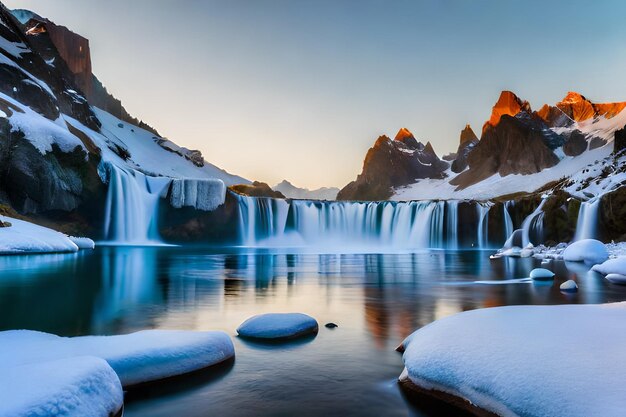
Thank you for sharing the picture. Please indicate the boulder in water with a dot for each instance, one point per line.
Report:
(541, 274)
(589, 251)
(618, 279)
(276, 326)
(330, 325)
(569, 286)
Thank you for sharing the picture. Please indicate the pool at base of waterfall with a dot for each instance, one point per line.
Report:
(375, 299)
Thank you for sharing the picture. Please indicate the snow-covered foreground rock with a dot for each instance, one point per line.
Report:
(589, 251)
(278, 326)
(75, 387)
(25, 237)
(525, 360)
(140, 357)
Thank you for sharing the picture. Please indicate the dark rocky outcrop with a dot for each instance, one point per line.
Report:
(575, 144)
(516, 145)
(467, 143)
(620, 141)
(256, 189)
(393, 163)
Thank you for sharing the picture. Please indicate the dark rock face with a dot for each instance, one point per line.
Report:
(575, 144)
(613, 215)
(256, 189)
(467, 143)
(620, 141)
(516, 145)
(393, 163)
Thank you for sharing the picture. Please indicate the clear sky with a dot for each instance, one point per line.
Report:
(301, 89)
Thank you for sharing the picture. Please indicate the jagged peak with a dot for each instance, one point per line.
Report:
(467, 135)
(574, 97)
(404, 134)
(508, 104)
(429, 148)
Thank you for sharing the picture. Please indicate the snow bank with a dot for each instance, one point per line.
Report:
(76, 387)
(144, 356)
(203, 194)
(82, 242)
(526, 360)
(589, 251)
(278, 326)
(612, 266)
(25, 237)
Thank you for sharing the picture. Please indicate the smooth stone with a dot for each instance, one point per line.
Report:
(273, 326)
(330, 325)
(541, 274)
(569, 286)
(618, 279)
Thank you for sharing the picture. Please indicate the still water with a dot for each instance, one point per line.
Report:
(376, 299)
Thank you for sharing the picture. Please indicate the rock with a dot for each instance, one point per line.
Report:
(589, 251)
(618, 279)
(83, 242)
(5, 224)
(569, 286)
(278, 326)
(330, 325)
(467, 143)
(256, 189)
(393, 163)
(541, 274)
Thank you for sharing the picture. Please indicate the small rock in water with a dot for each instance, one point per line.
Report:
(569, 286)
(278, 326)
(541, 274)
(618, 279)
(330, 325)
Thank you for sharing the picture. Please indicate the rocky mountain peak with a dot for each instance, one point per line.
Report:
(468, 135)
(578, 108)
(405, 136)
(508, 104)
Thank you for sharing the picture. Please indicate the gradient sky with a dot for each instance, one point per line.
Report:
(301, 89)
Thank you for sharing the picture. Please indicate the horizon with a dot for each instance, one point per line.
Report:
(253, 99)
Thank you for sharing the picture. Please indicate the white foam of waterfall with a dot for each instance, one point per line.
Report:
(587, 224)
(533, 222)
(132, 203)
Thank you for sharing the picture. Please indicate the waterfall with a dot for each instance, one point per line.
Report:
(337, 224)
(534, 222)
(587, 224)
(508, 222)
(452, 223)
(131, 209)
(483, 224)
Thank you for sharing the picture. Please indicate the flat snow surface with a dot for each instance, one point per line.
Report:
(278, 326)
(139, 357)
(25, 237)
(527, 360)
(76, 387)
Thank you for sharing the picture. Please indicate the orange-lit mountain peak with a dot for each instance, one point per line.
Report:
(579, 108)
(508, 104)
(404, 134)
(573, 97)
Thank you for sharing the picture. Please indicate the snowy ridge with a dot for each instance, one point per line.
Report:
(25, 237)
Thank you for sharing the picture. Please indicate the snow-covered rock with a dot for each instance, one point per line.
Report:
(526, 360)
(25, 237)
(83, 242)
(278, 326)
(589, 251)
(70, 387)
(569, 286)
(612, 266)
(541, 274)
(139, 357)
(203, 194)
(616, 279)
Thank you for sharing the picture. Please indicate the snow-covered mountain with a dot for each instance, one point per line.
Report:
(62, 134)
(519, 151)
(291, 191)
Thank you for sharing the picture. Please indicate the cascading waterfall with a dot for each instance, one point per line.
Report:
(452, 223)
(587, 224)
(387, 224)
(534, 223)
(131, 209)
(483, 224)
(508, 221)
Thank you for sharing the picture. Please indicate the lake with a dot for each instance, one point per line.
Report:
(376, 300)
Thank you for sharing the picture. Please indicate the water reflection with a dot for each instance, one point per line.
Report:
(377, 300)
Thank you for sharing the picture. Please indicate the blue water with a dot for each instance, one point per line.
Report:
(376, 300)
